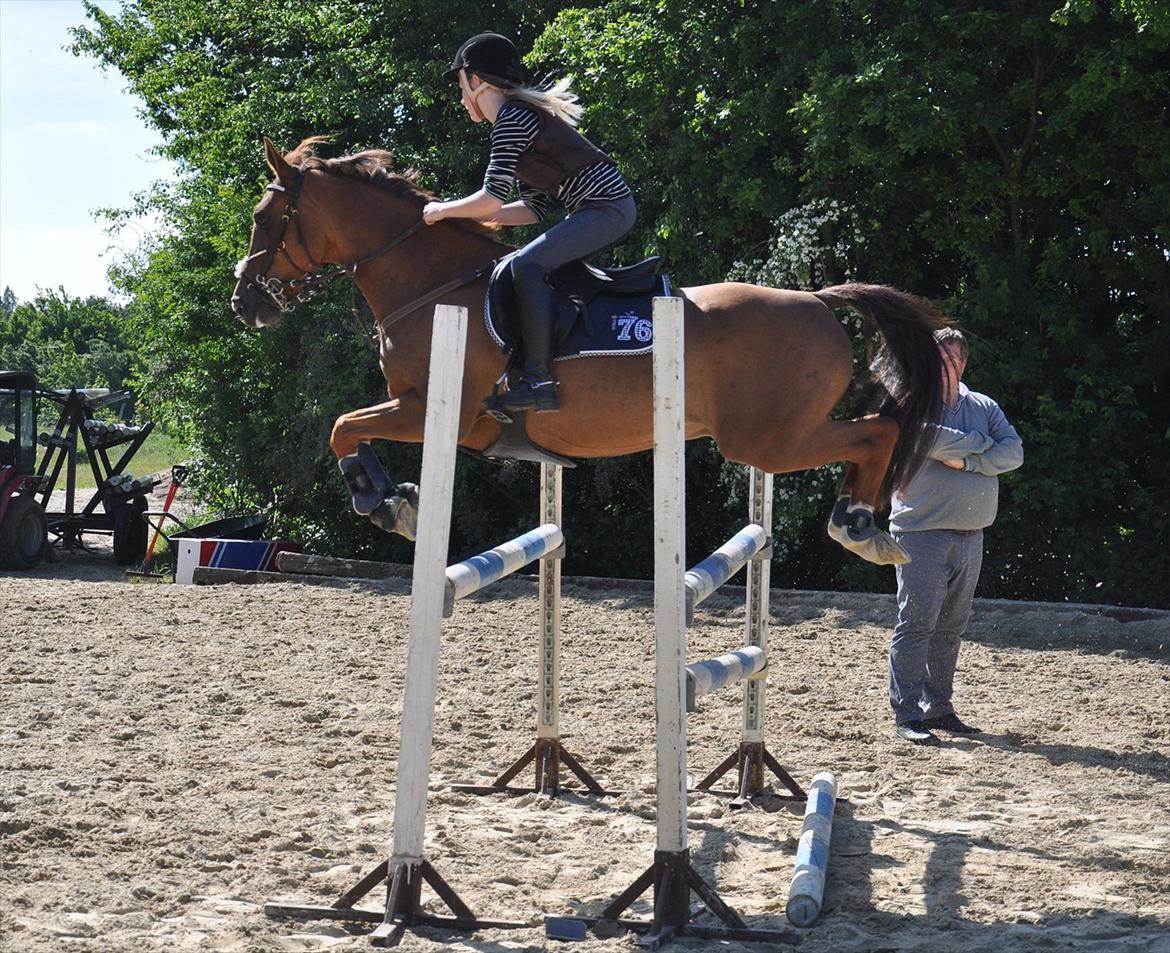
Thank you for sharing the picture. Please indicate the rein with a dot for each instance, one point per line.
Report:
(286, 295)
(464, 279)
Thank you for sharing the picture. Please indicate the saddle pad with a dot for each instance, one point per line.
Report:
(611, 326)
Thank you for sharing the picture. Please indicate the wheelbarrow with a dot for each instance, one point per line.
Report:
(232, 527)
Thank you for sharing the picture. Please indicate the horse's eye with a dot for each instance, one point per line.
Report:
(260, 219)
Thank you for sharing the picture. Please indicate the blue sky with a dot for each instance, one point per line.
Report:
(71, 142)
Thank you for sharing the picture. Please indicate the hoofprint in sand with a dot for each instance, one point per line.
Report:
(171, 757)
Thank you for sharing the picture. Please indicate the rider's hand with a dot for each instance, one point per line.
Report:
(953, 464)
(433, 212)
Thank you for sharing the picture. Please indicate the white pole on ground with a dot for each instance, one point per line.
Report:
(670, 620)
(759, 577)
(812, 853)
(441, 432)
(547, 709)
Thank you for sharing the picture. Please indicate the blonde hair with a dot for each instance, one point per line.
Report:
(558, 99)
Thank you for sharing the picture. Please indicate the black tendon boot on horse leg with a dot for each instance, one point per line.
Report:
(392, 507)
(536, 390)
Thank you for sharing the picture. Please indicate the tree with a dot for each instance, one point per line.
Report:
(1008, 160)
(67, 341)
(1014, 169)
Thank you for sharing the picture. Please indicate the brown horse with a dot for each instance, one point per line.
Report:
(764, 368)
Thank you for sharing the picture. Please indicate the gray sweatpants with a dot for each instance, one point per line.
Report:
(935, 591)
(583, 233)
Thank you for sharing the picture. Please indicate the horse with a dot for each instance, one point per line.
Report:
(764, 367)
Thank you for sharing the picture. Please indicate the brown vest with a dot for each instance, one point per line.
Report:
(557, 152)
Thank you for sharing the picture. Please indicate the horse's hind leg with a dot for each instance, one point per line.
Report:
(871, 446)
(867, 444)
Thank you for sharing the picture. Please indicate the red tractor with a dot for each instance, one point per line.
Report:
(23, 528)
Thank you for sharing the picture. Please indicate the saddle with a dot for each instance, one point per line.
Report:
(600, 312)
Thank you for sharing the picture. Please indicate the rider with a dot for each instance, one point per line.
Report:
(534, 142)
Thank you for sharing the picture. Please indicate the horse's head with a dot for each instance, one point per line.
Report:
(274, 274)
(313, 215)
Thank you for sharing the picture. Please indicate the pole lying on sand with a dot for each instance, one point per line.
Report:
(812, 855)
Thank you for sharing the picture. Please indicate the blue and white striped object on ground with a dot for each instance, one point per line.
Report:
(704, 677)
(473, 574)
(724, 563)
(812, 854)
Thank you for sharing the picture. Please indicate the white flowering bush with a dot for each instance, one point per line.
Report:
(814, 245)
(799, 500)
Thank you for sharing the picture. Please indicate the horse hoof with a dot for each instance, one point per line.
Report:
(887, 551)
(858, 534)
(388, 517)
(399, 513)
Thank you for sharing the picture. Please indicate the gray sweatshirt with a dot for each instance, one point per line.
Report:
(976, 432)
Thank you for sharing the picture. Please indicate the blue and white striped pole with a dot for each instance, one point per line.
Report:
(706, 676)
(722, 564)
(812, 854)
(473, 574)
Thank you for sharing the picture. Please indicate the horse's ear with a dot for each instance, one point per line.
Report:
(284, 172)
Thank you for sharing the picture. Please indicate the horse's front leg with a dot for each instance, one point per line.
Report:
(390, 506)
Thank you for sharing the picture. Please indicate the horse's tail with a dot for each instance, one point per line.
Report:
(907, 364)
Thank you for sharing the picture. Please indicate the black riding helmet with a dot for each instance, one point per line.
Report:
(493, 57)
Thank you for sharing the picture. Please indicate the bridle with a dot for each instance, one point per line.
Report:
(286, 294)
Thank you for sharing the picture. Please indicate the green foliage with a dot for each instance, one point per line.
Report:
(1014, 169)
(66, 341)
(1010, 160)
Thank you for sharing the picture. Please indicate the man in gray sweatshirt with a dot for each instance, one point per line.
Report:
(939, 517)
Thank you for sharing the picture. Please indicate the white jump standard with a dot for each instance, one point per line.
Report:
(407, 867)
(671, 875)
(752, 756)
(547, 751)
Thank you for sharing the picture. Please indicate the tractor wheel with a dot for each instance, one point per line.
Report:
(129, 532)
(23, 534)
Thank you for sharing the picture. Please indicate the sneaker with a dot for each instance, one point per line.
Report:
(916, 733)
(952, 724)
(547, 401)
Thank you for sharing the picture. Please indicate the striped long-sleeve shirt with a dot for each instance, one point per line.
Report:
(515, 128)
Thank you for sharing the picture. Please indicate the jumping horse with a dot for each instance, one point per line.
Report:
(764, 367)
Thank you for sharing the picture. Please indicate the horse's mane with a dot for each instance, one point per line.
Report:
(376, 167)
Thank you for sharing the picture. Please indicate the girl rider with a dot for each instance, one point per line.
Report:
(534, 143)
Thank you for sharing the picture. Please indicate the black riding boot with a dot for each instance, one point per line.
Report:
(536, 390)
